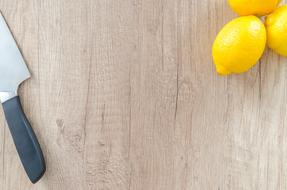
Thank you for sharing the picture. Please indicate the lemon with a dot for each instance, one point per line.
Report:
(276, 25)
(239, 45)
(253, 7)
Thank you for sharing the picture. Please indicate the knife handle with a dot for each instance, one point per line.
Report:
(25, 139)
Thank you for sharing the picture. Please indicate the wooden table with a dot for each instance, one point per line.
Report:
(124, 95)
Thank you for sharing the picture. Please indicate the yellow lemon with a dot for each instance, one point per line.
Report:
(253, 7)
(239, 45)
(276, 25)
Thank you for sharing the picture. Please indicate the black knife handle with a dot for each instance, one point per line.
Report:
(25, 139)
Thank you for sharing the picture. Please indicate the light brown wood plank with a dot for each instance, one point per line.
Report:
(124, 95)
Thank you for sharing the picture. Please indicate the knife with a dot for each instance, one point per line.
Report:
(13, 71)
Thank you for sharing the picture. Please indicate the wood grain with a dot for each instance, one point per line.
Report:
(124, 96)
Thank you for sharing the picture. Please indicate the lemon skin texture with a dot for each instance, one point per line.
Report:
(239, 45)
(253, 7)
(276, 25)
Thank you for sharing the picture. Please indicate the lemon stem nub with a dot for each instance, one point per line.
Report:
(222, 70)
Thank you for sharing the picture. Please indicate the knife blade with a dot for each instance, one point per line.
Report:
(13, 71)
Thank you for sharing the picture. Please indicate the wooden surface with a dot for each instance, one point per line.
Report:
(124, 96)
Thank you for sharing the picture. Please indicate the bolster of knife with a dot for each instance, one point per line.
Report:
(25, 139)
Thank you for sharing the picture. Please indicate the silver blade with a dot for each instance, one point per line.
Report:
(13, 70)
